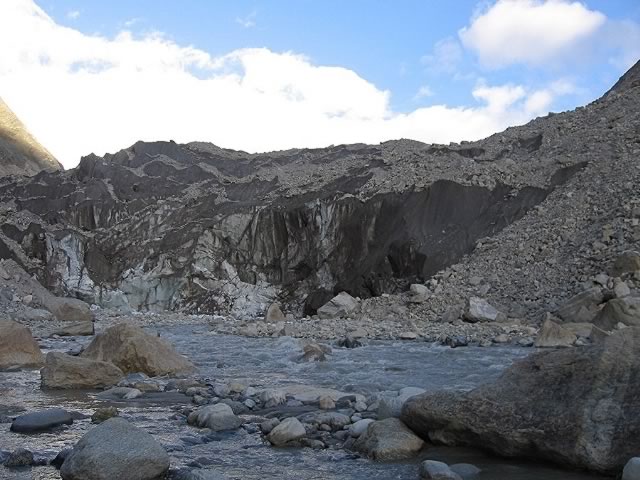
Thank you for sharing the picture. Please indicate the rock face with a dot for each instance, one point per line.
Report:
(133, 350)
(20, 152)
(115, 449)
(17, 346)
(62, 371)
(388, 440)
(198, 228)
(576, 407)
(41, 421)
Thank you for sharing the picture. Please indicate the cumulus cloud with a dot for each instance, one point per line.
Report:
(83, 93)
(73, 14)
(423, 92)
(530, 31)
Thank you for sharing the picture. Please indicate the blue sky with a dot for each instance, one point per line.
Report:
(405, 66)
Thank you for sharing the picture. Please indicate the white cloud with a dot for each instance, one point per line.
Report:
(73, 14)
(84, 93)
(248, 21)
(445, 57)
(533, 32)
(423, 92)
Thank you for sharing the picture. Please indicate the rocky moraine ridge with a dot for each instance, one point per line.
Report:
(529, 238)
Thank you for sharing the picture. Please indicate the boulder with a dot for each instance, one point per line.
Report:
(554, 335)
(339, 306)
(115, 449)
(479, 310)
(75, 329)
(358, 428)
(67, 309)
(66, 372)
(619, 310)
(17, 346)
(392, 406)
(582, 307)
(627, 262)
(433, 470)
(314, 352)
(286, 431)
(577, 407)
(388, 440)
(103, 414)
(41, 421)
(217, 417)
(274, 314)
(133, 350)
(419, 293)
(631, 470)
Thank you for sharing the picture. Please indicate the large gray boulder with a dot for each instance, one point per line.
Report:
(387, 440)
(286, 431)
(577, 407)
(339, 306)
(582, 307)
(553, 335)
(41, 421)
(217, 417)
(132, 350)
(115, 449)
(479, 310)
(67, 372)
(624, 311)
(17, 346)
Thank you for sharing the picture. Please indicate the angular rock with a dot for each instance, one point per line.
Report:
(217, 417)
(272, 398)
(583, 307)
(554, 335)
(619, 310)
(576, 407)
(103, 414)
(388, 440)
(434, 470)
(133, 350)
(41, 421)
(479, 310)
(286, 431)
(67, 309)
(274, 314)
(17, 346)
(115, 449)
(314, 352)
(339, 306)
(68, 372)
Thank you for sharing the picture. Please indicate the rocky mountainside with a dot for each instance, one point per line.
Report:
(523, 217)
(20, 152)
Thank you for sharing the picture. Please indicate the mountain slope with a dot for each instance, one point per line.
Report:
(199, 228)
(20, 152)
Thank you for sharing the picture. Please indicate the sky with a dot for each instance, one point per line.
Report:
(94, 77)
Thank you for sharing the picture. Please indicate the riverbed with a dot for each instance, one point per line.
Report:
(265, 363)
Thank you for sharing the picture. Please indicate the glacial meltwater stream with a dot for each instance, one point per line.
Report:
(266, 362)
